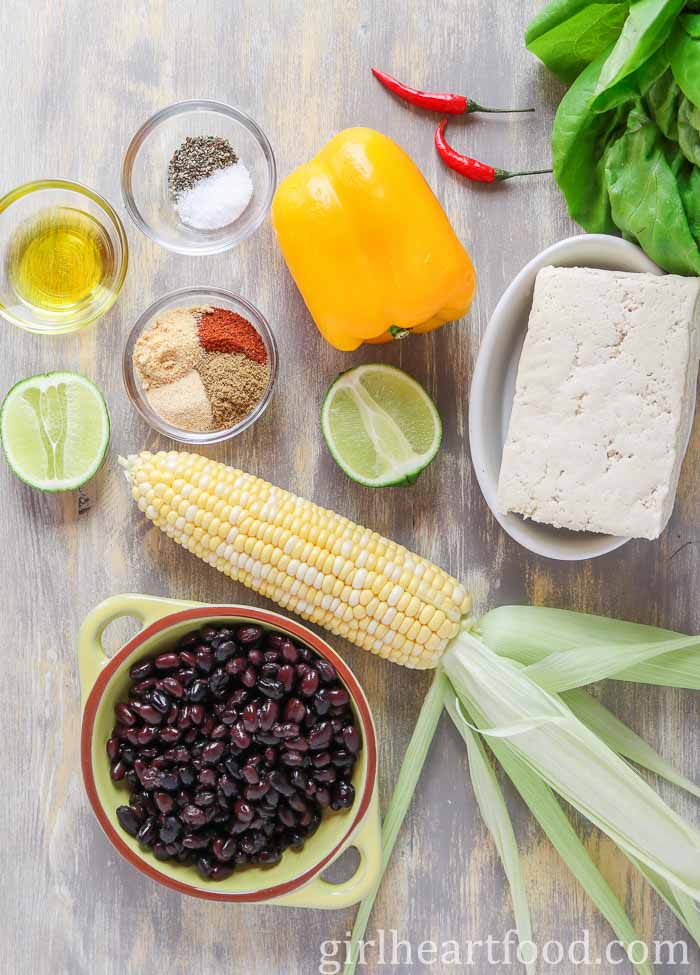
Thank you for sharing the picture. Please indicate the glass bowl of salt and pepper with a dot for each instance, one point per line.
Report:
(198, 177)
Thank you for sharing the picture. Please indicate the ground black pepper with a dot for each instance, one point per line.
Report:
(198, 157)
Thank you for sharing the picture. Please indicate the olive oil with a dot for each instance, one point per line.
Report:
(60, 259)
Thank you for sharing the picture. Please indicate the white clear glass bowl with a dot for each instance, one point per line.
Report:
(145, 174)
(29, 202)
(185, 298)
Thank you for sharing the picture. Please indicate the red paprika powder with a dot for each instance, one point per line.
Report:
(221, 330)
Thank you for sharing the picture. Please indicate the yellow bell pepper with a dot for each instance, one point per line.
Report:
(368, 244)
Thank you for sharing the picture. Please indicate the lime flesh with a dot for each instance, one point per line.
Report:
(380, 425)
(54, 430)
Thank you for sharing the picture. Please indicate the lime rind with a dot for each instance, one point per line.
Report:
(372, 444)
(54, 430)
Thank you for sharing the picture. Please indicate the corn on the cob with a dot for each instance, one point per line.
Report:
(307, 559)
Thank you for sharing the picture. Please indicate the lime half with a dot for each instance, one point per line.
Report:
(380, 425)
(54, 430)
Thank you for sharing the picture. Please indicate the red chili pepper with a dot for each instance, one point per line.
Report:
(472, 168)
(437, 101)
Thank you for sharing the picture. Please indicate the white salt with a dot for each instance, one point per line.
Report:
(216, 200)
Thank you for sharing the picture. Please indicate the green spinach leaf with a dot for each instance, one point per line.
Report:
(637, 83)
(689, 188)
(580, 139)
(645, 198)
(691, 24)
(568, 34)
(646, 29)
(685, 63)
(663, 100)
(688, 134)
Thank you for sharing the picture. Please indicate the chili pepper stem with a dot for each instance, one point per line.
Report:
(503, 174)
(476, 107)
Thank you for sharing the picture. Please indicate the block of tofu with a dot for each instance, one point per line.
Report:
(604, 401)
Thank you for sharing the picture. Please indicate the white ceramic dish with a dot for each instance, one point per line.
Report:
(493, 387)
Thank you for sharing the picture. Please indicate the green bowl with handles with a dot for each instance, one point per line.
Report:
(296, 880)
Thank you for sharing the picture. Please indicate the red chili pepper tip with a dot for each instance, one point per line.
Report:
(435, 101)
(471, 168)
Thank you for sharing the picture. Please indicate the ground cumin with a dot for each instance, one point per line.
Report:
(234, 384)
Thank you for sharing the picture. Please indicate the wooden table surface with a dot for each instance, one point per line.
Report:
(79, 78)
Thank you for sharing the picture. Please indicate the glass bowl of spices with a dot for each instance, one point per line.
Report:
(198, 177)
(200, 365)
(63, 256)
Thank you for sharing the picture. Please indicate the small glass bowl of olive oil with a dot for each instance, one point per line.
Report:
(63, 256)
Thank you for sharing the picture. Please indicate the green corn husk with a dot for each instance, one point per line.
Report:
(410, 771)
(528, 634)
(573, 761)
(567, 742)
(547, 811)
(497, 818)
(622, 740)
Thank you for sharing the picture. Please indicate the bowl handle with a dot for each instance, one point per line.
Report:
(320, 894)
(91, 653)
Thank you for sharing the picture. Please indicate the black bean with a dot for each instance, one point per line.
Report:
(170, 735)
(148, 832)
(204, 865)
(268, 714)
(342, 758)
(164, 802)
(343, 795)
(113, 747)
(321, 703)
(185, 676)
(213, 752)
(294, 710)
(280, 782)
(140, 670)
(193, 816)
(218, 682)
(271, 687)
(225, 651)
(197, 690)
(297, 744)
(172, 687)
(351, 738)
(189, 639)
(289, 652)
(147, 712)
(186, 775)
(167, 661)
(118, 770)
(308, 685)
(128, 820)
(292, 759)
(256, 657)
(236, 666)
(168, 781)
(204, 799)
(244, 812)
(170, 830)
(287, 675)
(320, 737)
(197, 714)
(125, 715)
(248, 634)
(228, 786)
(188, 658)
(326, 671)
